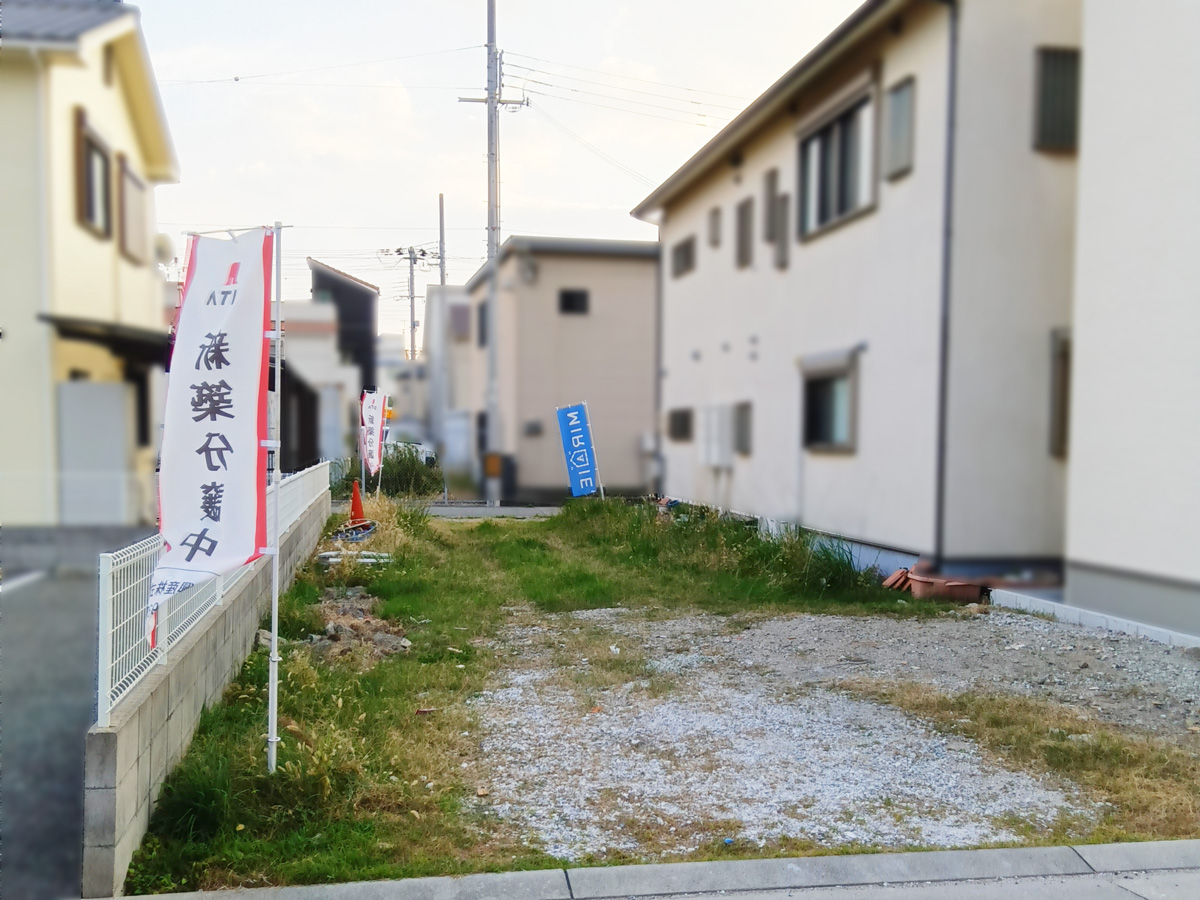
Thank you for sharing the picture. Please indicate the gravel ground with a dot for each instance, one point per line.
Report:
(752, 742)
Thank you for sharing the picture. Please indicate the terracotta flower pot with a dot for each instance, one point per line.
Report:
(931, 587)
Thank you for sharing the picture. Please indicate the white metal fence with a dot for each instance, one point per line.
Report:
(124, 655)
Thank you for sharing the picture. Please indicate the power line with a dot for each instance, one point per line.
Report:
(626, 77)
(625, 89)
(674, 109)
(636, 112)
(586, 144)
(361, 62)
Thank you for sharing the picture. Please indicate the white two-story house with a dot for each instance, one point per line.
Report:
(867, 283)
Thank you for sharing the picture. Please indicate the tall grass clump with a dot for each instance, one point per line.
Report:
(798, 565)
(405, 474)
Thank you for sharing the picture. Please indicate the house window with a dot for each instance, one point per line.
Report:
(770, 195)
(1060, 391)
(481, 324)
(93, 193)
(901, 105)
(714, 227)
(743, 428)
(836, 169)
(683, 257)
(828, 412)
(573, 301)
(1056, 128)
(679, 424)
(745, 233)
(781, 229)
(133, 230)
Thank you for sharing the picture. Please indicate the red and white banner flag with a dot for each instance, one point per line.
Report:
(212, 479)
(370, 441)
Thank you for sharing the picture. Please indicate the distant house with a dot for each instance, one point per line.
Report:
(449, 354)
(406, 382)
(357, 305)
(83, 143)
(867, 288)
(575, 321)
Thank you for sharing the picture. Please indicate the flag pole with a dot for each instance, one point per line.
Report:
(273, 675)
(587, 414)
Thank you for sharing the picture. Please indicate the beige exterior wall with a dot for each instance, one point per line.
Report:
(1014, 216)
(1134, 485)
(28, 487)
(548, 359)
(872, 280)
(52, 264)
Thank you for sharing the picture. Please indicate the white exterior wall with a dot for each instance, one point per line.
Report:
(1135, 433)
(873, 280)
(1014, 216)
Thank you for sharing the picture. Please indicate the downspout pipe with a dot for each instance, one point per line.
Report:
(939, 537)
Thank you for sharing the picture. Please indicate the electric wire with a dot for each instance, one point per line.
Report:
(588, 145)
(626, 77)
(619, 88)
(361, 62)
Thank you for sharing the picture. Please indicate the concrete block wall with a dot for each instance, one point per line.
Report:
(151, 728)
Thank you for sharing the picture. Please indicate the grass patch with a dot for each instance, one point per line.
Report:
(1153, 787)
(367, 787)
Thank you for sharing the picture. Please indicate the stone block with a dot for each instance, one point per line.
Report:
(99, 872)
(100, 759)
(99, 816)
(1146, 855)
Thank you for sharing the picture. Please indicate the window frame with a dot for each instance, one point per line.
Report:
(678, 253)
(130, 253)
(829, 367)
(888, 169)
(87, 138)
(563, 294)
(743, 244)
(866, 95)
(676, 417)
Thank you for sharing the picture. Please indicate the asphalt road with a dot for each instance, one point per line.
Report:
(47, 675)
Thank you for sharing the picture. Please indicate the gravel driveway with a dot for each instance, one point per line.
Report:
(735, 730)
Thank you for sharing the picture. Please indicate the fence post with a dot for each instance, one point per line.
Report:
(104, 599)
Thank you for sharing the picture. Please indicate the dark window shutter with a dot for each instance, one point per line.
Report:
(1057, 126)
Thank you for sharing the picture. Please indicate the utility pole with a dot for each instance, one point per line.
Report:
(491, 478)
(441, 363)
(493, 101)
(412, 304)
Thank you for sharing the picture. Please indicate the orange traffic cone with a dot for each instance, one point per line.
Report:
(356, 507)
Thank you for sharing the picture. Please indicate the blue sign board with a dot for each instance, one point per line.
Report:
(578, 449)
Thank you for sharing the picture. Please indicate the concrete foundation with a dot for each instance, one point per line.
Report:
(1170, 605)
(152, 726)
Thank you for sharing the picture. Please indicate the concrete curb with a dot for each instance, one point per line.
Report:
(1077, 615)
(602, 883)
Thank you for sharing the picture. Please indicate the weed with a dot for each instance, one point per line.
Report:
(1153, 787)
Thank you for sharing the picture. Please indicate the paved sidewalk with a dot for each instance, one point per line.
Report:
(1162, 870)
(47, 687)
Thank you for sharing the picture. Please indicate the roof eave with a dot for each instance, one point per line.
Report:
(865, 18)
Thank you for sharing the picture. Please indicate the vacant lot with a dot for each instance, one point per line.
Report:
(614, 684)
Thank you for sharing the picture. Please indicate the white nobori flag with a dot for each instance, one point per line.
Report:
(212, 494)
(374, 405)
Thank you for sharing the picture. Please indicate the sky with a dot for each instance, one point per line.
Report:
(342, 119)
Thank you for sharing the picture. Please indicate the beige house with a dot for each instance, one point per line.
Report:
(1133, 526)
(83, 143)
(867, 284)
(575, 321)
(449, 354)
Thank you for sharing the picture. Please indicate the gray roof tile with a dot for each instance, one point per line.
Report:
(56, 21)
